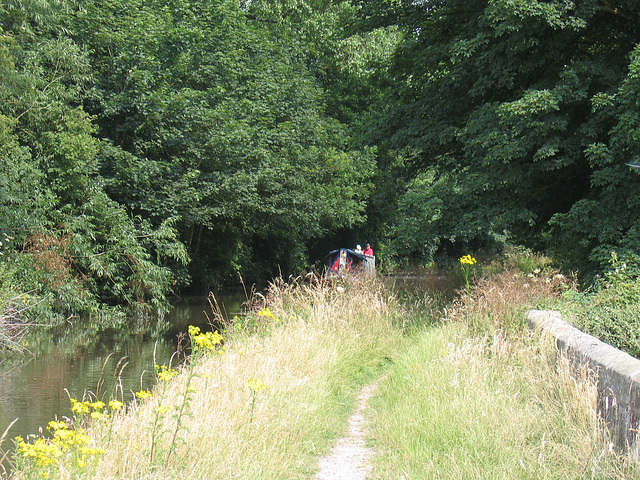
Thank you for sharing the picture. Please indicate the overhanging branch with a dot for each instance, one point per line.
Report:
(606, 6)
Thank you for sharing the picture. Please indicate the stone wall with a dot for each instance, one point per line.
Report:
(618, 375)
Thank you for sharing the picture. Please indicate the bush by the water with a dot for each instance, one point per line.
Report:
(610, 310)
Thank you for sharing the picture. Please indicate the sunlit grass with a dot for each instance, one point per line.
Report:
(494, 402)
(452, 407)
(473, 396)
(274, 402)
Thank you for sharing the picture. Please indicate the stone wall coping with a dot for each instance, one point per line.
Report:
(618, 372)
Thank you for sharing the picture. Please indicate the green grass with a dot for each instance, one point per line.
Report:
(470, 397)
(454, 407)
(481, 397)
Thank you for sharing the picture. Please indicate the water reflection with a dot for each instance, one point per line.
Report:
(37, 389)
(426, 283)
(115, 364)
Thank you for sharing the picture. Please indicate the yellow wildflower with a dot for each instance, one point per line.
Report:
(52, 425)
(468, 260)
(116, 404)
(143, 394)
(67, 438)
(79, 407)
(43, 452)
(92, 450)
(207, 341)
(266, 312)
(165, 373)
(255, 385)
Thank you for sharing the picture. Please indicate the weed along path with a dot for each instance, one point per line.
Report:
(350, 458)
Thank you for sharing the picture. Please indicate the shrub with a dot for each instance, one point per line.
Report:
(610, 309)
(496, 304)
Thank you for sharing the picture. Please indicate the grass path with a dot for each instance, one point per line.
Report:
(469, 397)
(350, 458)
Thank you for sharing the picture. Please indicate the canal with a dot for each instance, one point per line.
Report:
(36, 388)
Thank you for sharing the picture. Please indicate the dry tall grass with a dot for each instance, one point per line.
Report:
(497, 302)
(322, 341)
(473, 397)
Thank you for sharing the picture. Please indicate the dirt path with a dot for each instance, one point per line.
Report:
(350, 458)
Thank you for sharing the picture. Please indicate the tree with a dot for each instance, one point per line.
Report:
(63, 238)
(218, 122)
(500, 111)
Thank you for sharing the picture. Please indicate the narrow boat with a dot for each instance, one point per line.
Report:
(345, 261)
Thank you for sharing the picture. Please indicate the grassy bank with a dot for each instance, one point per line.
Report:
(481, 397)
(266, 404)
(469, 396)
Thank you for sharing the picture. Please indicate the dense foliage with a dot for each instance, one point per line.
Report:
(156, 146)
(610, 309)
(514, 119)
(63, 238)
(150, 146)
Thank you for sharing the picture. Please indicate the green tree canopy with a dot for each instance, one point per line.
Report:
(506, 116)
(219, 122)
(62, 238)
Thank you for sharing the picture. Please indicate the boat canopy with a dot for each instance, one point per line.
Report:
(345, 261)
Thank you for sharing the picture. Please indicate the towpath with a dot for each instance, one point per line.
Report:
(350, 459)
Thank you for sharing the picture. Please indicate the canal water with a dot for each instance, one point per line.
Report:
(36, 389)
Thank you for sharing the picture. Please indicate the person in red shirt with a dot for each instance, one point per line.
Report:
(368, 250)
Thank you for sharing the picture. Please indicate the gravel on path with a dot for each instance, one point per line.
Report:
(350, 458)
